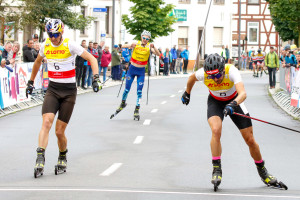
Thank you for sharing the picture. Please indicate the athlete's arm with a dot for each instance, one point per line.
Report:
(156, 50)
(191, 82)
(94, 64)
(242, 95)
(36, 66)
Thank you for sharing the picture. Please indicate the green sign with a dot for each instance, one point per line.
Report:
(180, 14)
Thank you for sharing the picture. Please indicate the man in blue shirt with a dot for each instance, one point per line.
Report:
(174, 57)
(185, 55)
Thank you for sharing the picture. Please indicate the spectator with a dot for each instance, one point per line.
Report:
(297, 57)
(223, 53)
(227, 52)
(35, 50)
(174, 57)
(126, 54)
(80, 68)
(89, 72)
(290, 58)
(105, 60)
(15, 51)
(35, 38)
(167, 61)
(161, 61)
(178, 67)
(244, 59)
(27, 52)
(100, 52)
(1, 50)
(185, 55)
(115, 64)
(7, 54)
(272, 62)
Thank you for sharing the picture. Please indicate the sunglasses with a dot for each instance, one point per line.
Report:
(55, 35)
(146, 38)
(217, 76)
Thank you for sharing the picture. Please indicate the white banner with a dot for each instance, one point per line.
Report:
(295, 89)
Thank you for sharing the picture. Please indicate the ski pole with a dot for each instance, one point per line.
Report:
(246, 116)
(122, 83)
(9, 68)
(148, 79)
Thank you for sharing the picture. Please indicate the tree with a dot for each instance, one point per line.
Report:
(286, 18)
(150, 15)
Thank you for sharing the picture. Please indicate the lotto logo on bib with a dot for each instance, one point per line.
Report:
(217, 85)
(55, 52)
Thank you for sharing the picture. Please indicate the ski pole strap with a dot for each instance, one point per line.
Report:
(246, 116)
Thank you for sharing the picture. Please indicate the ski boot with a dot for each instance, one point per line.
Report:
(61, 163)
(267, 178)
(40, 162)
(217, 174)
(136, 115)
(122, 106)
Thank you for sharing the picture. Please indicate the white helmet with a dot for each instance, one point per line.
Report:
(147, 33)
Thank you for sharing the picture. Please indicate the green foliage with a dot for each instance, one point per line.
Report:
(286, 18)
(150, 15)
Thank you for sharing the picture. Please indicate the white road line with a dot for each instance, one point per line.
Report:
(146, 192)
(180, 91)
(138, 140)
(164, 102)
(154, 110)
(172, 95)
(147, 122)
(111, 169)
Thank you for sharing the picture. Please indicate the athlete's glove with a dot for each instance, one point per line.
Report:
(29, 88)
(229, 108)
(96, 82)
(185, 98)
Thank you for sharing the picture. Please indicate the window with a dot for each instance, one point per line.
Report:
(253, 30)
(184, 1)
(218, 37)
(219, 2)
(201, 1)
(253, 1)
(108, 20)
(183, 32)
(83, 12)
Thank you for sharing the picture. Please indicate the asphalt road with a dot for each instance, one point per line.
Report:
(164, 156)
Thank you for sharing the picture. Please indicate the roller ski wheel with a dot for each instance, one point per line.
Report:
(61, 166)
(40, 162)
(136, 115)
(122, 106)
(217, 174)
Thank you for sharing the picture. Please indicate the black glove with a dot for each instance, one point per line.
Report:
(229, 108)
(96, 80)
(29, 88)
(185, 98)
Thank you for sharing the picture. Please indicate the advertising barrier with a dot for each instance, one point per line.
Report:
(13, 84)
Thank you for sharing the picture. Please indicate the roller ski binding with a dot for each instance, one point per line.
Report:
(217, 174)
(40, 162)
(136, 115)
(122, 106)
(61, 166)
(268, 179)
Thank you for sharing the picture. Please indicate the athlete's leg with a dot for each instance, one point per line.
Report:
(48, 119)
(247, 134)
(140, 85)
(60, 134)
(215, 123)
(129, 80)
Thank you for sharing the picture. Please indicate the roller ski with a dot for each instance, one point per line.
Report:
(40, 162)
(268, 179)
(136, 115)
(61, 166)
(122, 106)
(217, 174)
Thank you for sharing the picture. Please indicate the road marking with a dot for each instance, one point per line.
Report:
(180, 91)
(138, 140)
(111, 169)
(146, 192)
(147, 122)
(154, 110)
(172, 95)
(164, 102)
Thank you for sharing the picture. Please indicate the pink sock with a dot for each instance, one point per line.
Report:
(216, 158)
(260, 161)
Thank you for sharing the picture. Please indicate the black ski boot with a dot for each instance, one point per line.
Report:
(122, 106)
(217, 174)
(40, 162)
(61, 163)
(136, 115)
(267, 178)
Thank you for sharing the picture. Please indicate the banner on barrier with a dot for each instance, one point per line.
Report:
(295, 89)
